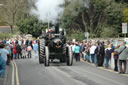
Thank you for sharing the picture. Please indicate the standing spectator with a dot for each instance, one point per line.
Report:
(97, 52)
(82, 49)
(27, 42)
(113, 48)
(19, 51)
(123, 55)
(69, 44)
(108, 52)
(88, 52)
(29, 48)
(73, 47)
(16, 41)
(19, 42)
(13, 42)
(77, 52)
(8, 41)
(92, 53)
(31, 44)
(86, 56)
(22, 41)
(9, 55)
(24, 51)
(15, 52)
(35, 48)
(11, 46)
(116, 55)
(5, 41)
(102, 54)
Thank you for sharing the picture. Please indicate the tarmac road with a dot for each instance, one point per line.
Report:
(30, 72)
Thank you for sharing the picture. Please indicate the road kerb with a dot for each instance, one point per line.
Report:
(105, 68)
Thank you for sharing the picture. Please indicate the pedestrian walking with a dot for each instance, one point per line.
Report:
(123, 55)
(29, 49)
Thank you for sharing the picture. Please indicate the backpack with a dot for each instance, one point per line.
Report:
(108, 53)
(29, 48)
(116, 55)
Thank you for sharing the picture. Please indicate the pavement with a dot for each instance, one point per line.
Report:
(4, 81)
(30, 72)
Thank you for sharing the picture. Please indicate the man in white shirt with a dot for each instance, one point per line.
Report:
(92, 53)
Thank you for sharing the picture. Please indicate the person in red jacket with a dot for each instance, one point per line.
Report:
(15, 52)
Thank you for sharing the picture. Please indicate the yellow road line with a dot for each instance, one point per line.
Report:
(17, 75)
(12, 73)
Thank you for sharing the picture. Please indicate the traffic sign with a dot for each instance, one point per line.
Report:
(86, 34)
(124, 28)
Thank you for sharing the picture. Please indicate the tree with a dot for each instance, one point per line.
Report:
(10, 9)
(123, 1)
(31, 25)
(91, 16)
(125, 15)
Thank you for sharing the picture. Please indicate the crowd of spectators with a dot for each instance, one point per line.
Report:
(15, 49)
(96, 52)
(100, 53)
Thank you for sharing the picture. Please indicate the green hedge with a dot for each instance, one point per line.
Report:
(5, 35)
(78, 36)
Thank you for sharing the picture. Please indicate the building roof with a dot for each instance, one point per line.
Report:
(5, 29)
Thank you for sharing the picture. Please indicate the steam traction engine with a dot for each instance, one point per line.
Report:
(52, 45)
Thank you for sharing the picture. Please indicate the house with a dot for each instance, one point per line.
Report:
(5, 29)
